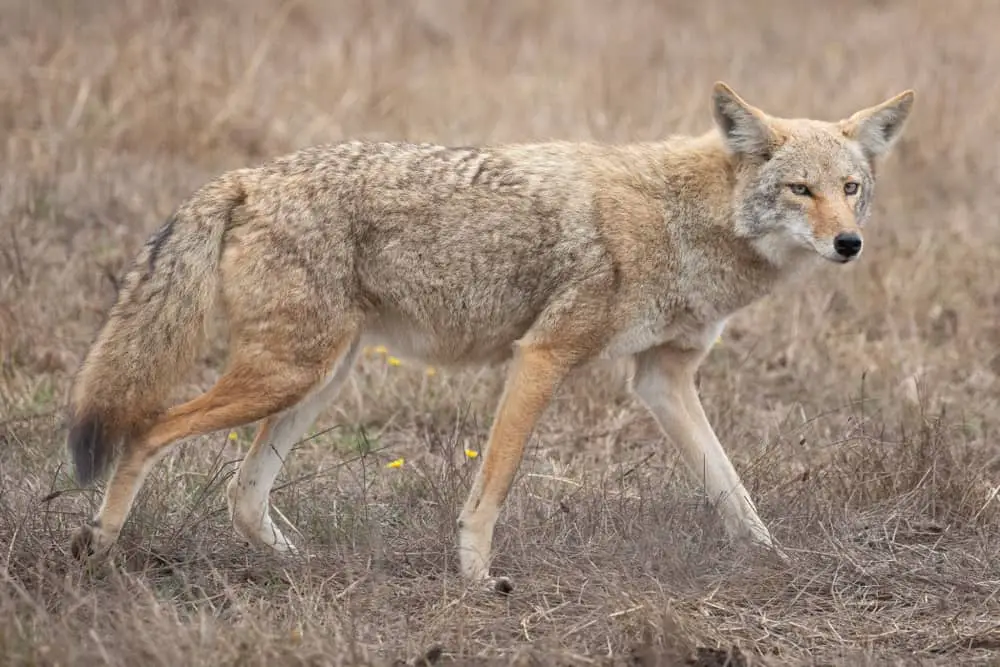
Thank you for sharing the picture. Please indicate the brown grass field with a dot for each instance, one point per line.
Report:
(862, 408)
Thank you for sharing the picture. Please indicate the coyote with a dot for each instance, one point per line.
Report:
(547, 255)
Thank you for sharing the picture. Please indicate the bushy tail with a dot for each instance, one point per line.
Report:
(153, 331)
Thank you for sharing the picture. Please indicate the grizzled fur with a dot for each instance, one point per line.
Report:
(547, 255)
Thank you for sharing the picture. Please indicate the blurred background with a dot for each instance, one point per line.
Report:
(867, 395)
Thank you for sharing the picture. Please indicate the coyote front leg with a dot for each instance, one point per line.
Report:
(664, 380)
(534, 377)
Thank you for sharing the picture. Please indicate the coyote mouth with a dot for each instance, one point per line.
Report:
(831, 255)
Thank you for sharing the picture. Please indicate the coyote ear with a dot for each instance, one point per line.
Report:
(745, 128)
(877, 128)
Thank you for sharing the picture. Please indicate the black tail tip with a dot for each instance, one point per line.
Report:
(91, 447)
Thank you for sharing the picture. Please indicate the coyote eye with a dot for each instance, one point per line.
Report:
(799, 189)
(851, 188)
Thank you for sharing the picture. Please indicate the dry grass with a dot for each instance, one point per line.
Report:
(861, 408)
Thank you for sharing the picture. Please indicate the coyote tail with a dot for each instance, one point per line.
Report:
(153, 331)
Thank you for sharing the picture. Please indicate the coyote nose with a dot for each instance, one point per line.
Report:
(847, 244)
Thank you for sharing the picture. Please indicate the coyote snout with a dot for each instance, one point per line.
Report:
(847, 245)
(828, 218)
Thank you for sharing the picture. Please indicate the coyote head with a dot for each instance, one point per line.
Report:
(806, 185)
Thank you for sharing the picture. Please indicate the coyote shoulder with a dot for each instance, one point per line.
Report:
(548, 255)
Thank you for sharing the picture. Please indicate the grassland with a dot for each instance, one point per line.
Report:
(862, 408)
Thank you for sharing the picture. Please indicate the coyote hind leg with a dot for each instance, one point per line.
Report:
(247, 493)
(251, 390)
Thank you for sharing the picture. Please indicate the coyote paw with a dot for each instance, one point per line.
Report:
(261, 531)
(474, 551)
(254, 524)
(475, 570)
(501, 585)
(758, 537)
(780, 554)
(90, 544)
(761, 538)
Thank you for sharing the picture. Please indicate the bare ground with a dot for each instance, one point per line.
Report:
(860, 407)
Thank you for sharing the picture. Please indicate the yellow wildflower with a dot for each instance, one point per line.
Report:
(471, 453)
(381, 349)
(393, 361)
(233, 435)
(398, 463)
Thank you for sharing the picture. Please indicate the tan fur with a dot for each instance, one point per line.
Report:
(550, 254)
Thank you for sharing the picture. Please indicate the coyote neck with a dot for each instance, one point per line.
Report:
(714, 267)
